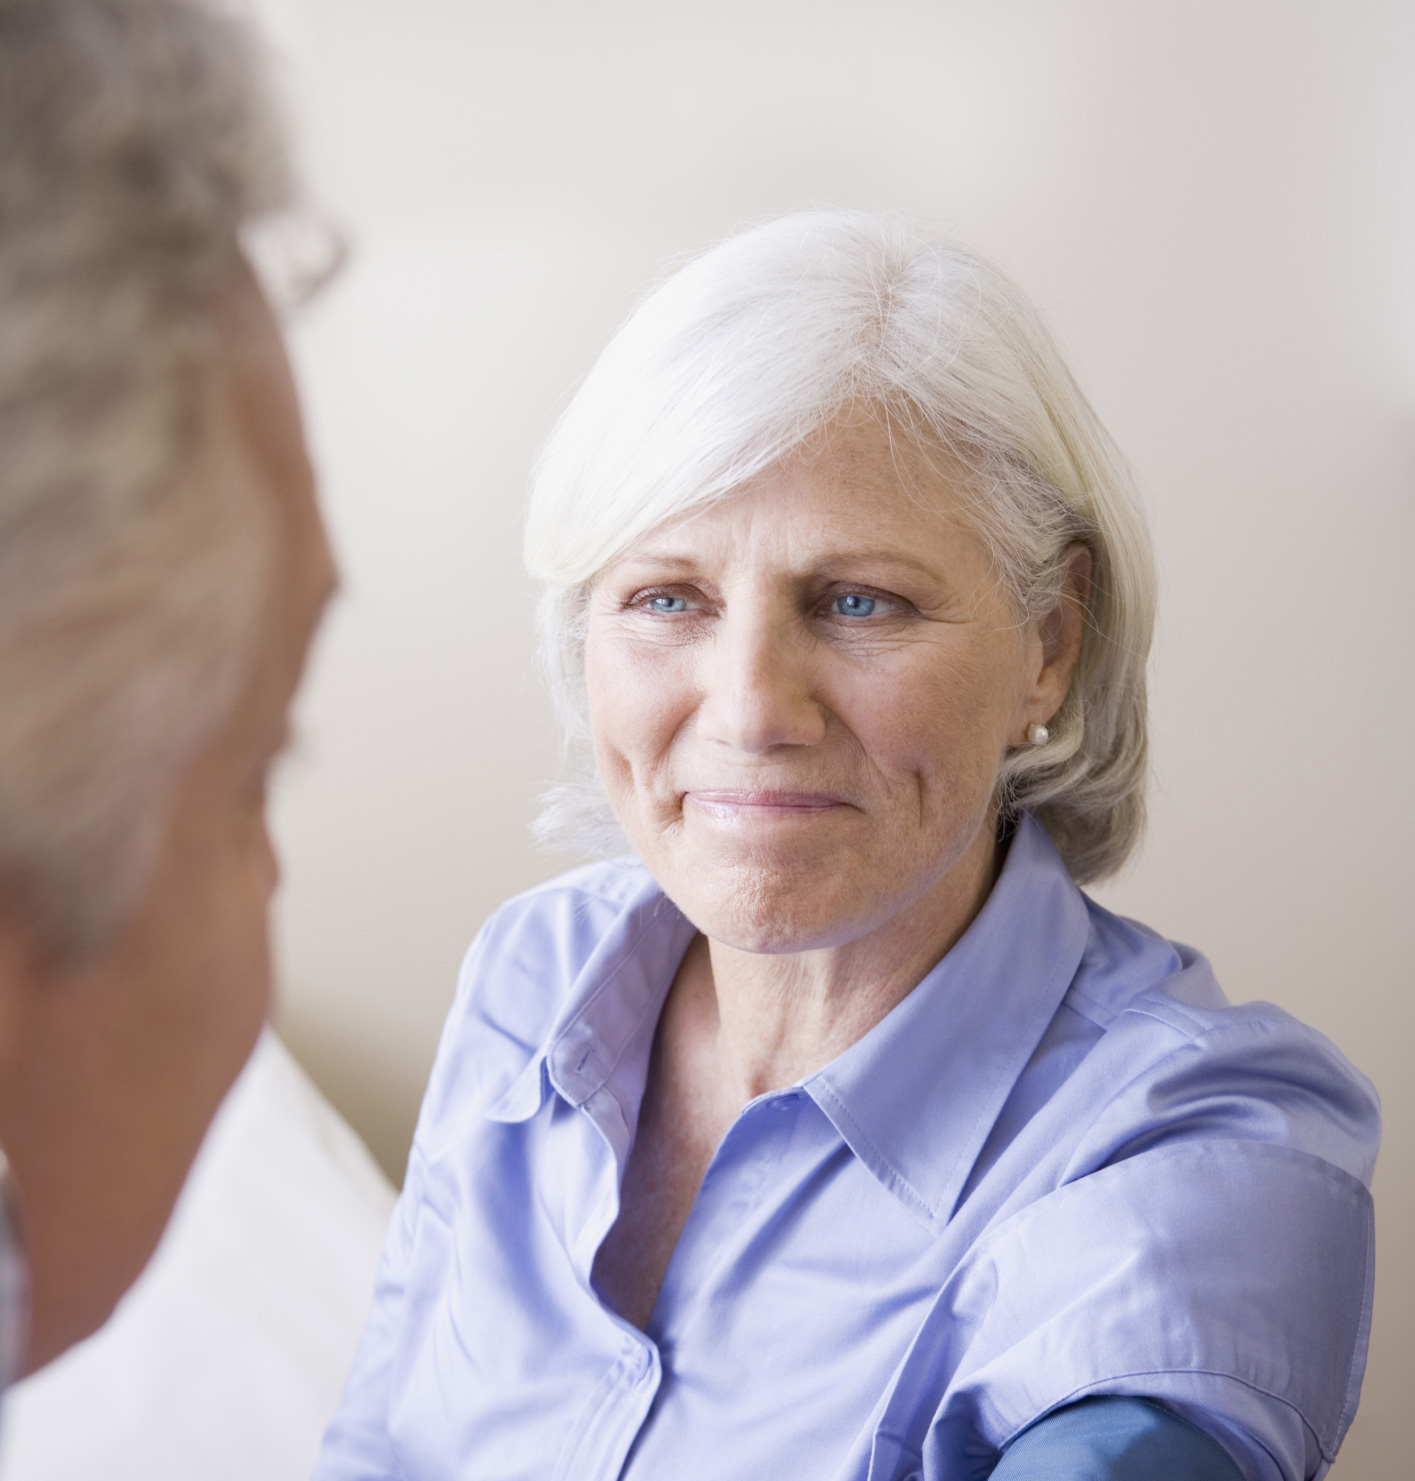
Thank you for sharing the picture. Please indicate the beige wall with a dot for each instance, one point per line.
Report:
(1215, 201)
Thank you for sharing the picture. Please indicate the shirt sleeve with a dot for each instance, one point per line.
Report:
(356, 1445)
(1114, 1439)
(1234, 1277)
(1210, 1245)
(474, 1060)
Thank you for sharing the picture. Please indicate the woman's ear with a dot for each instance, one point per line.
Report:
(1061, 631)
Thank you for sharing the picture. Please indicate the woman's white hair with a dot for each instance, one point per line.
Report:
(135, 146)
(751, 351)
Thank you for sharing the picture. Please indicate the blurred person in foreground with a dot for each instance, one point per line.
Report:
(162, 569)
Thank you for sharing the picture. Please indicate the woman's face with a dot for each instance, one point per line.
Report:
(801, 697)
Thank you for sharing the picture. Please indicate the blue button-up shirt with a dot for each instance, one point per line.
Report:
(1064, 1165)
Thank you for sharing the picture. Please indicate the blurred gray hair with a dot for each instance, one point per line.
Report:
(749, 353)
(136, 144)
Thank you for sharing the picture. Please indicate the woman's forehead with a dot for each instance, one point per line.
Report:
(860, 495)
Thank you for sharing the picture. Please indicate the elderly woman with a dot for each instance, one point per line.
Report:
(835, 1133)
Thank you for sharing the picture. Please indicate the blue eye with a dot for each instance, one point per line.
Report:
(854, 605)
(667, 606)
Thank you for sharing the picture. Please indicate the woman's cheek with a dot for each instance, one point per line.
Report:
(637, 703)
(948, 733)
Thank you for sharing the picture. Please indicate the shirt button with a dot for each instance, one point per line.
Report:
(638, 1362)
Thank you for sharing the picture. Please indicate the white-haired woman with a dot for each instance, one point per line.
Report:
(837, 1133)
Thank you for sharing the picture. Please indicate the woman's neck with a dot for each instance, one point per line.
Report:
(738, 1024)
(774, 1018)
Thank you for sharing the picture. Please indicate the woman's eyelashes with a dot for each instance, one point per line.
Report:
(670, 601)
(854, 604)
(860, 604)
(667, 606)
(847, 606)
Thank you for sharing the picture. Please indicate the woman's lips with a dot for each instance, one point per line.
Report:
(749, 805)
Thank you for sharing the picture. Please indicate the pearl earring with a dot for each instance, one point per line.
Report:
(1038, 735)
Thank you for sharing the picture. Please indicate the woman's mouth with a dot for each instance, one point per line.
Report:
(746, 805)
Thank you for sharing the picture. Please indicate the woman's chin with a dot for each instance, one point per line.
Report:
(771, 909)
(765, 937)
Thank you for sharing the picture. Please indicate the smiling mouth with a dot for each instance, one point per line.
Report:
(755, 805)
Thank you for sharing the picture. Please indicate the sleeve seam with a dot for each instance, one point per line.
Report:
(1096, 1386)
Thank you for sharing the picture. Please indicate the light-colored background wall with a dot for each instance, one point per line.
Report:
(1214, 200)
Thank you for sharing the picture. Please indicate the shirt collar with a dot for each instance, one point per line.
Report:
(916, 1097)
(616, 995)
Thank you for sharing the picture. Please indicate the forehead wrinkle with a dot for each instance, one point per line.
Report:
(811, 496)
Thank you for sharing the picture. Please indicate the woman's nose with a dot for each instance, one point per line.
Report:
(758, 689)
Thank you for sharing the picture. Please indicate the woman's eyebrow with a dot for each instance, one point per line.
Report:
(838, 562)
(845, 561)
(660, 558)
